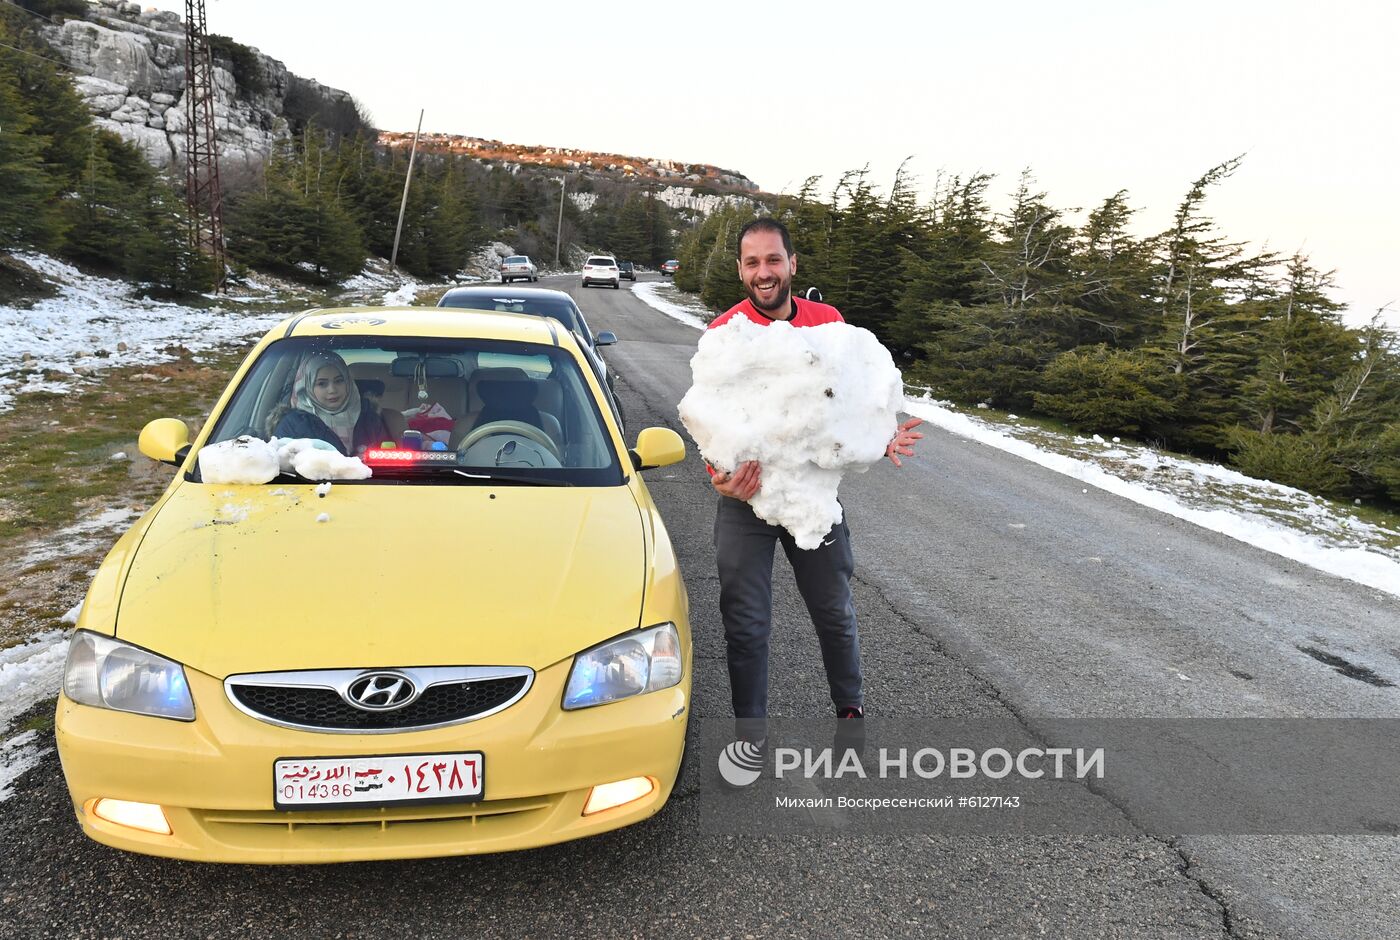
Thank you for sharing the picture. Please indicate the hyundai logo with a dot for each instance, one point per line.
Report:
(381, 691)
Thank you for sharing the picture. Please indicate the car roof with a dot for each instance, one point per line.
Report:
(507, 290)
(423, 321)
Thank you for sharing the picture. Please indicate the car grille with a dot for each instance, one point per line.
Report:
(321, 706)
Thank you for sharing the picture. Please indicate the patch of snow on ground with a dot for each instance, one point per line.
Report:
(29, 673)
(18, 755)
(401, 297)
(80, 537)
(1261, 513)
(92, 314)
(663, 296)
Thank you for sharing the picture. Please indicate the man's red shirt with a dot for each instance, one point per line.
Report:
(805, 313)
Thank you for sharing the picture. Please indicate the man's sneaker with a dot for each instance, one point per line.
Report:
(850, 731)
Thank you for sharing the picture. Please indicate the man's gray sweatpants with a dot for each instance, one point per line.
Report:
(744, 552)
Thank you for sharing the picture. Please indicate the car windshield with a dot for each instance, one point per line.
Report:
(559, 307)
(518, 259)
(429, 410)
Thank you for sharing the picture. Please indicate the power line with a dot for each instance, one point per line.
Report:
(35, 55)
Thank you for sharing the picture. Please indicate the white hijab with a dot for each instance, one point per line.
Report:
(341, 421)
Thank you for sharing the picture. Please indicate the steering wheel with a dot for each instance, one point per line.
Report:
(519, 428)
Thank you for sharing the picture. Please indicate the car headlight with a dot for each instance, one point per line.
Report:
(639, 662)
(107, 673)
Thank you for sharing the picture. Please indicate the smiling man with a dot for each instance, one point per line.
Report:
(744, 543)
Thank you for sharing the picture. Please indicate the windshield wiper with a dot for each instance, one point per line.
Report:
(495, 476)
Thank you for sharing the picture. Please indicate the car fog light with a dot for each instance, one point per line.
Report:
(148, 817)
(609, 795)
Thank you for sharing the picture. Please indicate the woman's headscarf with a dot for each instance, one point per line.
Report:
(342, 422)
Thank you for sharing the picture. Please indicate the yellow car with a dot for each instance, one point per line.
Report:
(474, 638)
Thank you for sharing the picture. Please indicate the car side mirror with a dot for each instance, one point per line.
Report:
(166, 440)
(605, 338)
(657, 447)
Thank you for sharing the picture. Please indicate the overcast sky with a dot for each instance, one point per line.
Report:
(1093, 96)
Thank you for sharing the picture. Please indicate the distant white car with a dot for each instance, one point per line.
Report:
(602, 269)
(518, 267)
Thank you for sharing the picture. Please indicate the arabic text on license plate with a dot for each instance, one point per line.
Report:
(318, 782)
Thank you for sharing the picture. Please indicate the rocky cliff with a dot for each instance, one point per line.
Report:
(642, 168)
(131, 74)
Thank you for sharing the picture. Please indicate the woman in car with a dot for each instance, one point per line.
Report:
(326, 405)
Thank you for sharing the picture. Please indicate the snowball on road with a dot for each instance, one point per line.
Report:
(808, 404)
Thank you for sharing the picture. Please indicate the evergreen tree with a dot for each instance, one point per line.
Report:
(1111, 279)
(27, 191)
(1302, 349)
(1207, 292)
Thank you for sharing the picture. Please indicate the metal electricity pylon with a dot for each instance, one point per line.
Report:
(202, 189)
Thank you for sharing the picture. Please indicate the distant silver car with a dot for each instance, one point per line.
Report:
(602, 269)
(518, 268)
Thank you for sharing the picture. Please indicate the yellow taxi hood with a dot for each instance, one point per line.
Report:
(233, 579)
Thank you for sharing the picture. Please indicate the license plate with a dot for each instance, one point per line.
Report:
(321, 782)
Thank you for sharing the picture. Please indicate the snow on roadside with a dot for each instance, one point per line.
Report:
(80, 537)
(29, 673)
(662, 296)
(1305, 529)
(18, 755)
(33, 671)
(92, 315)
(1267, 515)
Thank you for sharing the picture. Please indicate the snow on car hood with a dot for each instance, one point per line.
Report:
(233, 579)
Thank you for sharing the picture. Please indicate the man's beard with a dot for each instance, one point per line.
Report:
(781, 298)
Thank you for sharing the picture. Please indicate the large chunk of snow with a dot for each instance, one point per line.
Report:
(289, 447)
(316, 464)
(808, 404)
(244, 459)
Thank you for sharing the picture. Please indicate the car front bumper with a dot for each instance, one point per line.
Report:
(213, 777)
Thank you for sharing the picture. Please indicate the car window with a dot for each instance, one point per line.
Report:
(518, 259)
(423, 409)
(502, 301)
(601, 262)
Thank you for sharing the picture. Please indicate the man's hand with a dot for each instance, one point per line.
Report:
(902, 444)
(741, 484)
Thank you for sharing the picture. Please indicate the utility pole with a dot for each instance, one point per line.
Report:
(559, 231)
(403, 204)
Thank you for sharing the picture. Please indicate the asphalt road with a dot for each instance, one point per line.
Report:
(986, 587)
